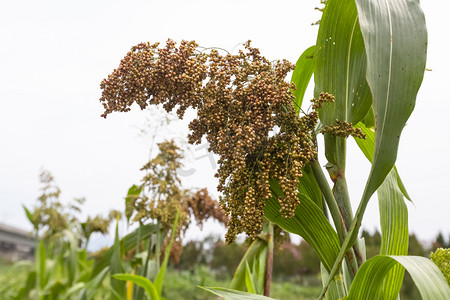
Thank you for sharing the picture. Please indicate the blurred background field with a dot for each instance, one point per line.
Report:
(209, 262)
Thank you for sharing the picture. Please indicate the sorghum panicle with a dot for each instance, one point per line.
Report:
(244, 109)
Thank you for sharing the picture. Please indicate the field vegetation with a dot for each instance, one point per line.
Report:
(368, 64)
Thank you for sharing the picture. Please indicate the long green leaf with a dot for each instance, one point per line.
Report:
(73, 255)
(308, 185)
(261, 268)
(41, 264)
(30, 283)
(128, 243)
(29, 215)
(428, 278)
(143, 282)
(162, 271)
(332, 293)
(73, 290)
(308, 222)
(301, 76)
(340, 69)
(133, 193)
(230, 294)
(395, 39)
(394, 232)
(116, 265)
(250, 279)
(367, 146)
(92, 286)
(256, 247)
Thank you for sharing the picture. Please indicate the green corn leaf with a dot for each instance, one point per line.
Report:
(301, 76)
(256, 247)
(308, 222)
(427, 277)
(143, 282)
(394, 232)
(230, 294)
(340, 69)
(162, 271)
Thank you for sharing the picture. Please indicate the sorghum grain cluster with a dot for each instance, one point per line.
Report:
(244, 109)
(343, 129)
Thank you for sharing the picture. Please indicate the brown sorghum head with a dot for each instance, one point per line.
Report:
(343, 129)
(244, 109)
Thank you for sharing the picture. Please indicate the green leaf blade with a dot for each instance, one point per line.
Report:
(340, 69)
(394, 231)
(116, 265)
(250, 280)
(301, 76)
(395, 38)
(308, 185)
(129, 242)
(254, 251)
(367, 146)
(162, 271)
(428, 278)
(308, 222)
(143, 282)
(230, 294)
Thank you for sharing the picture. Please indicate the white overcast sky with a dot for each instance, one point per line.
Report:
(54, 54)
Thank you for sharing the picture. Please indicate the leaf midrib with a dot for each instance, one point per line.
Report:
(347, 88)
(389, 79)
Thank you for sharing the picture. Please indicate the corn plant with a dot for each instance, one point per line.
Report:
(368, 64)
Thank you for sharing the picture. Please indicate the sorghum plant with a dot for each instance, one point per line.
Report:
(368, 64)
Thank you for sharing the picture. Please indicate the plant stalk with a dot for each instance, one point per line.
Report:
(340, 285)
(350, 238)
(335, 213)
(269, 261)
(340, 192)
(329, 199)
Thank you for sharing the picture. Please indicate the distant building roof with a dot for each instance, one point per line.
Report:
(15, 235)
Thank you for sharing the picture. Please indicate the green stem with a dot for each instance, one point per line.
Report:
(340, 192)
(137, 290)
(349, 239)
(338, 279)
(335, 213)
(269, 261)
(342, 183)
(329, 199)
(37, 264)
